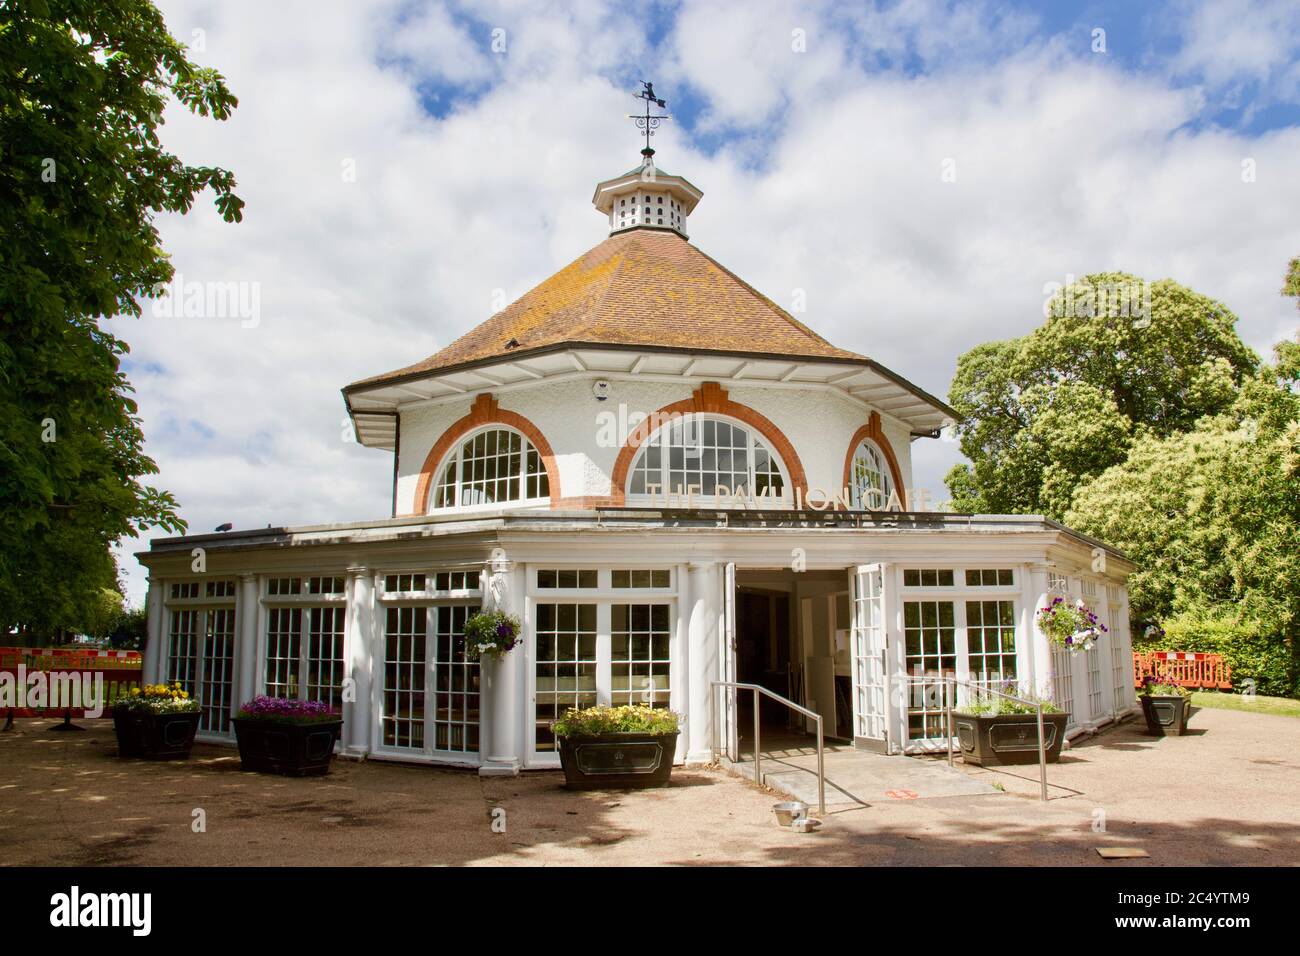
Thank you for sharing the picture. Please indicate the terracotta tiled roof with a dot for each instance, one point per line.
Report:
(643, 287)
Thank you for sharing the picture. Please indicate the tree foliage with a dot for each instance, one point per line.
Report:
(1166, 439)
(83, 86)
(1047, 411)
(1211, 516)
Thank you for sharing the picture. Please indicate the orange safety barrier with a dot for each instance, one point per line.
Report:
(1185, 668)
(122, 670)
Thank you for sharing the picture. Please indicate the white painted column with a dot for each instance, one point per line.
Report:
(703, 636)
(358, 717)
(680, 661)
(155, 612)
(246, 616)
(1034, 596)
(501, 705)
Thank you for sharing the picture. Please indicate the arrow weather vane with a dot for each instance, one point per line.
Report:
(648, 122)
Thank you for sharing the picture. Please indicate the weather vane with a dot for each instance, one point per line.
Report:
(647, 122)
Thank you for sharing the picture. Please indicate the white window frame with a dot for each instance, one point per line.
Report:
(454, 457)
(203, 607)
(305, 603)
(604, 596)
(700, 498)
(1121, 659)
(1096, 690)
(886, 476)
(958, 594)
(430, 599)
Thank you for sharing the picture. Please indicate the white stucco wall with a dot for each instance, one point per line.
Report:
(818, 423)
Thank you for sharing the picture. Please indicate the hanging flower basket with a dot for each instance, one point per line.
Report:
(490, 634)
(1072, 626)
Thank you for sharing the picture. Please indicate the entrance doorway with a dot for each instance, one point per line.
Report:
(763, 657)
(792, 638)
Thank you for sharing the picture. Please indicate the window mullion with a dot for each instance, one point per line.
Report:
(430, 684)
(961, 649)
(604, 667)
(750, 458)
(304, 645)
(199, 652)
(455, 487)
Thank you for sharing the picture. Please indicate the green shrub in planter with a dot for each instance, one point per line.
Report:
(1166, 707)
(598, 721)
(156, 721)
(628, 746)
(287, 736)
(994, 731)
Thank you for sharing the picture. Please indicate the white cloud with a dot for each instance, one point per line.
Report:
(1228, 42)
(1063, 166)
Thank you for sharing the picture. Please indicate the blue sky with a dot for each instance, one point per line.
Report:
(409, 165)
(1164, 39)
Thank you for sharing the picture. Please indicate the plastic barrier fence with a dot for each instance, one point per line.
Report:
(122, 671)
(1185, 668)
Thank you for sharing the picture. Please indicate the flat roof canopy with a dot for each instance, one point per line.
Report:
(374, 407)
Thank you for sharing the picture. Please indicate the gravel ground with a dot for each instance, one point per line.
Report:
(1229, 794)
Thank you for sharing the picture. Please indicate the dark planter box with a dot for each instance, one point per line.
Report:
(141, 733)
(617, 760)
(1166, 716)
(1007, 739)
(297, 750)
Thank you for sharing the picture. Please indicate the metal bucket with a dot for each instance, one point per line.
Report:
(787, 813)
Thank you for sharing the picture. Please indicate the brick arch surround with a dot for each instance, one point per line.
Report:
(709, 398)
(873, 431)
(484, 411)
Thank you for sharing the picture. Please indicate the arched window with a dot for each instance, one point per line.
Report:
(492, 466)
(706, 453)
(869, 480)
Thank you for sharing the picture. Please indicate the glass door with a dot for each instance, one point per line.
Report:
(597, 651)
(565, 668)
(868, 652)
(728, 698)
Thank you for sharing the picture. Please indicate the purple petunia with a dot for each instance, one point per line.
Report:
(263, 706)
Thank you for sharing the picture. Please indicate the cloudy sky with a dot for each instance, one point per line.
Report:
(407, 164)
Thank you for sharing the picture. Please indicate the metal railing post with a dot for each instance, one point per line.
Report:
(811, 715)
(1042, 756)
(951, 683)
(948, 688)
(821, 771)
(713, 723)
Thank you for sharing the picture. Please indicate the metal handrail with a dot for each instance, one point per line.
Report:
(983, 689)
(757, 689)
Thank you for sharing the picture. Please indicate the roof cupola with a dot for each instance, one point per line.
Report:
(647, 197)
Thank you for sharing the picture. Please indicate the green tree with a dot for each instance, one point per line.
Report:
(130, 630)
(83, 86)
(1211, 516)
(1291, 285)
(1116, 360)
